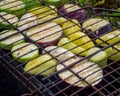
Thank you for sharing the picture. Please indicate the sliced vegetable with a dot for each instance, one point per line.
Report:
(10, 41)
(81, 39)
(88, 71)
(59, 52)
(100, 57)
(73, 11)
(70, 27)
(114, 52)
(46, 34)
(65, 43)
(25, 52)
(8, 21)
(43, 65)
(97, 25)
(27, 20)
(109, 38)
(44, 10)
(16, 7)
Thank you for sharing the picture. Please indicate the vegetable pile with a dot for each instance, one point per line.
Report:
(47, 38)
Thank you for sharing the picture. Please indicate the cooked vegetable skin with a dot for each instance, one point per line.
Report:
(8, 21)
(10, 41)
(16, 7)
(43, 65)
(46, 34)
(25, 52)
(97, 25)
(73, 11)
(89, 71)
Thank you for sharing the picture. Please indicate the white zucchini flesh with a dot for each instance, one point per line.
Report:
(11, 5)
(10, 40)
(12, 19)
(90, 71)
(26, 21)
(25, 51)
(59, 52)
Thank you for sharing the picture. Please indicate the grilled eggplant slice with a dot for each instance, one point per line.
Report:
(73, 11)
(11, 39)
(46, 34)
(88, 73)
(25, 52)
(97, 25)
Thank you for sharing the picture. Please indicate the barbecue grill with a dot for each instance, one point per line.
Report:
(53, 84)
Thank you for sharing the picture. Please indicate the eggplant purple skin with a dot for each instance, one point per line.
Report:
(79, 14)
(99, 32)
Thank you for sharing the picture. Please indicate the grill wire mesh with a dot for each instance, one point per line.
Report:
(53, 84)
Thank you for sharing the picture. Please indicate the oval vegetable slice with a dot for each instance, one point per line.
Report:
(8, 21)
(88, 71)
(27, 20)
(16, 7)
(25, 52)
(73, 11)
(46, 34)
(59, 52)
(43, 65)
(100, 57)
(97, 25)
(10, 41)
(65, 43)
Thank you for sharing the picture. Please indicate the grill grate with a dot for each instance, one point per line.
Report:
(53, 84)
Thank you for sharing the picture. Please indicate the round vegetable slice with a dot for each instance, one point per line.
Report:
(43, 65)
(25, 52)
(100, 57)
(27, 20)
(97, 25)
(46, 34)
(89, 71)
(10, 41)
(8, 21)
(16, 7)
(65, 43)
(73, 11)
(59, 52)
(109, 38)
